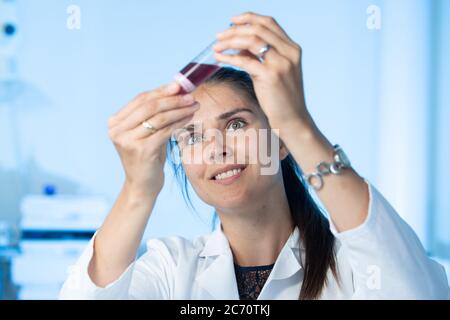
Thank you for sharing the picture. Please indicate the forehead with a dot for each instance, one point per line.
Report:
(215, 100)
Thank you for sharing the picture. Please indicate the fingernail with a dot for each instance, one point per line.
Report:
(188, 98)
(172, 87)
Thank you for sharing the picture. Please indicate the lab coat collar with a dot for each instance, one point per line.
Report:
(217, 243)
(219, 278)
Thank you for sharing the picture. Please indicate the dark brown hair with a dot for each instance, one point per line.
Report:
(314, 227)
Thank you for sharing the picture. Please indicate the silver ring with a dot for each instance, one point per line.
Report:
(262, 52)
(147, 125)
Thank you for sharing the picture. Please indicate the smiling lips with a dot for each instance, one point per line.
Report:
(228, 174)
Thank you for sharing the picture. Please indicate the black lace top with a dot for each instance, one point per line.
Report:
(250, 280)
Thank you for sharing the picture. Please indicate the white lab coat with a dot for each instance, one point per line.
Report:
(380, 259)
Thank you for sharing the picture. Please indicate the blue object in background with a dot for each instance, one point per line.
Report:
(49, 190)
(9, 29)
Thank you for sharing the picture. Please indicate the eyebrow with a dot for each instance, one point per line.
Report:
(223, 116)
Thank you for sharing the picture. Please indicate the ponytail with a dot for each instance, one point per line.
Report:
(314, 231)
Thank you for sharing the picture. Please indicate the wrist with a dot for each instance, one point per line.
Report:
(298, 129)
(138, 196)
(306, 143)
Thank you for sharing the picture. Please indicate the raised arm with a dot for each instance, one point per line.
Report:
(142, 152)
(277, 78)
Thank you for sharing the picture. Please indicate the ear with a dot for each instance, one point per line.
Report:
(284, 152)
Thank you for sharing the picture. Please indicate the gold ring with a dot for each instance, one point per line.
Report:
(147, 125)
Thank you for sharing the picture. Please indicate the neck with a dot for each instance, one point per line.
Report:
(258, 233)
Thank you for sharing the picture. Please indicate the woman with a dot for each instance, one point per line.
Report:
(273, 242)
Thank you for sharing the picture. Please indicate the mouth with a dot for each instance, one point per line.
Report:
(229, 174)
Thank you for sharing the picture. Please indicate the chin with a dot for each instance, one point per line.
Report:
(232, 199)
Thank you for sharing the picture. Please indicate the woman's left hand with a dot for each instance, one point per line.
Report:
(279, 88)
(278, 79)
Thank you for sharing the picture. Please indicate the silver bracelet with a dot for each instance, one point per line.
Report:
(324, 168)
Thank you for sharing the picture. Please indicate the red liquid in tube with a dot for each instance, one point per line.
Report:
(203, 66)
(193, 74)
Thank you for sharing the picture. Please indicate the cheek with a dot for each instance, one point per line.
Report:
(250, 147)
(194, 172)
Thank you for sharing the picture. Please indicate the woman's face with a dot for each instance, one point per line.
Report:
(227, 133)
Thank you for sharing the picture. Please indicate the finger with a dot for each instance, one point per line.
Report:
(152, 108)
(266, 35)
(252, 43)
(163, 135)
(249, 64)
(164, 90)
(267, 21)
(162, 120)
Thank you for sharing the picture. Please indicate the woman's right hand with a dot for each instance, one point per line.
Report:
(141, 152)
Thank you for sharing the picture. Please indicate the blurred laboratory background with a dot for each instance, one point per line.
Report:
(377, 78)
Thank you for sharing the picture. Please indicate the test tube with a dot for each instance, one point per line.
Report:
(199, 69)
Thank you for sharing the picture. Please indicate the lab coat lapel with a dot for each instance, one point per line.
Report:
(285, 279)
(218, 278)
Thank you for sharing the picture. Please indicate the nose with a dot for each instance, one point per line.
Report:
(218, 151)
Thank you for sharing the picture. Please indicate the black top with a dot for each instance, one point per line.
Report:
(250, 280)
